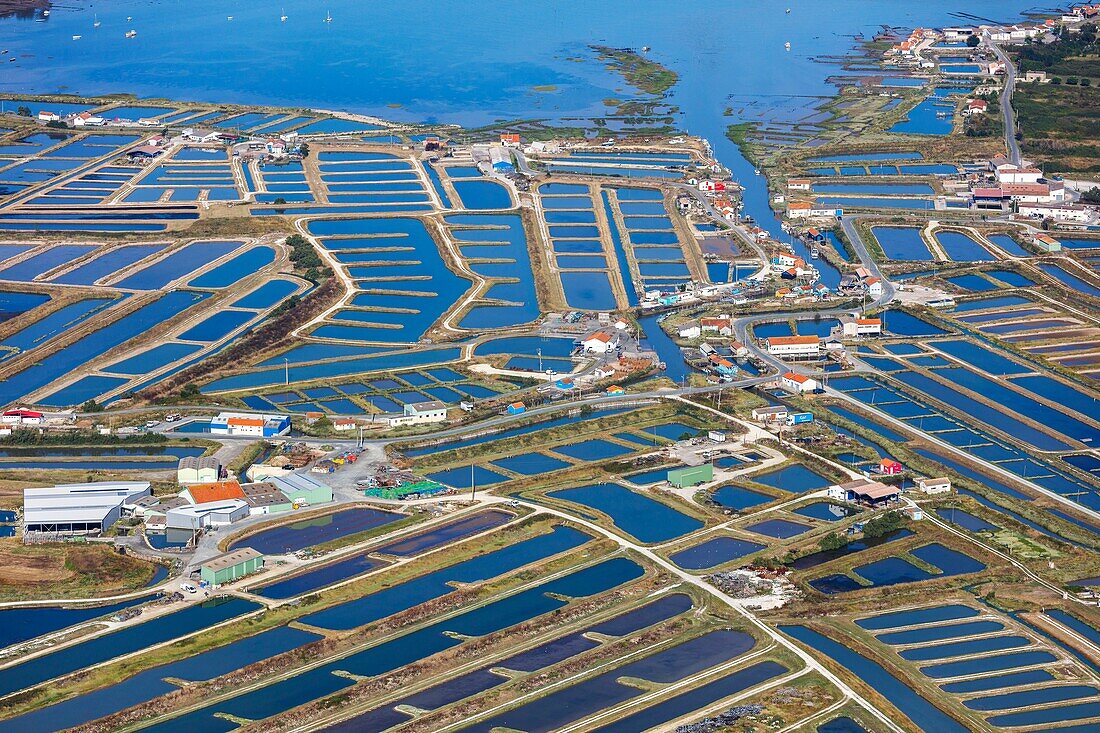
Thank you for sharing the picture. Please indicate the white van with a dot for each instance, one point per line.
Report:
(188, 587)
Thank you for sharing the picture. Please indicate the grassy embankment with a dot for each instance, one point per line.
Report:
(1060, 120)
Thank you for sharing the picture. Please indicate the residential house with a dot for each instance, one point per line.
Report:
(798, 383)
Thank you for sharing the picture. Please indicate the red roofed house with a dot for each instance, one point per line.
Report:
(509, 140)
(890, 467)
(793, 345)
(22, 417)
(48, 116)
(600, 342)
(798, 383)
(977, 107)
(218, 491)
(721, 326)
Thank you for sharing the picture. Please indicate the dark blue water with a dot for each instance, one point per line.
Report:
(311, 580)
(778, 528)
(998, 682)
(964, 648)
(823, 556)
(918, 616)
(402, 650)
(529, 464)
(56, 323)
(295, 536)
(592, 450)
(85, 349)
(130, 639)
(993, 663)
(735, 497)
(1031, 697)
(149, 684)
(795, 478)
(922, 712)
(561, 707)
(448, 533)
(940, 633)
(714, 552)
(21, 624)
(636, 514)
(424, 588)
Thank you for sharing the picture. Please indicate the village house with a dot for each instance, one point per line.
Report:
(890, 467)
(770, 414)
(510, 140)
(797, 346)
(48, 116)
(976, 107)
(86, 119)
(1075, 213)
(799, 184)
(940, 485)
(722, 326)
(600, 342)
(416, 413)
(853, 326)
(798, 383)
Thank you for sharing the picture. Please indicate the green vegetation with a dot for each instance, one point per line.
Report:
(832, 541)
(640, 72)
(81, 437)
(884, 523)
(1060, 121)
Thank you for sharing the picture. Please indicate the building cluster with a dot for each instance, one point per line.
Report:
(88, 118)
(91, 508)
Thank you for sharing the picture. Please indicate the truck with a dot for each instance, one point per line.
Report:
(800, 418)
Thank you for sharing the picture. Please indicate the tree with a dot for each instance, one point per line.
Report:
(189, 391)
(1092, 196)
(91, 406)
(23, 111)
(973, 41)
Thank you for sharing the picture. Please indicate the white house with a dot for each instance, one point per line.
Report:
(249, 424)
(690, 331)
(793, 345)
(601, 342)
(799, 184)
(342, 424)
(940, 485)
(798, 383)
(415, 413)
(874, 286)
(772, 413)
(1059, 212)
(48, 116)
(853, 326)
(1015, 174)
(87, 119)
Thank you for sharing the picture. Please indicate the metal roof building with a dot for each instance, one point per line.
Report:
(231, 565)
(79, 508)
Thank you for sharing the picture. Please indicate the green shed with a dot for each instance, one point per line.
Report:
(691, 475)
(230, 566)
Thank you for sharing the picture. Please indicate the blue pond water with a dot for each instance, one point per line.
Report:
(592, 450)
(940, 633)
(241, 266)
(736, 497)
(714, 552)
(965, 520)
(149, 684)
(902, 243)
(529, 464)
(392, 600)
(109, 646)
(778, 528)
(795, 478)
(299, 535)
(181, 262)
(464, 477)
(636, 514)
(85, 349)
(922, 712)
(934, 614)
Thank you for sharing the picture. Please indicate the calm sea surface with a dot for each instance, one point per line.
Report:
(462, 61)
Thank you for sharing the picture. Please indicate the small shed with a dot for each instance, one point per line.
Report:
(231, 566)
(691, 475)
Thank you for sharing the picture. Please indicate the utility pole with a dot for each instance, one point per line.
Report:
(473, 488)
(286, 367)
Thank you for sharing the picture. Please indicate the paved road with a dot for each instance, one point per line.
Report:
(1009, 114)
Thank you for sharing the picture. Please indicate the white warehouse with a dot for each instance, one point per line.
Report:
(79, 508)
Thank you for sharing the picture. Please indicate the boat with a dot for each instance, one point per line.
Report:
(131, 34)
(645, 49)
(283, 17)
(814, 253)
(76, 38)
(229, 17)
(129, 18)
(788, 11)
(328, 17)
(787, 45)
(45, 13)
(95, 21)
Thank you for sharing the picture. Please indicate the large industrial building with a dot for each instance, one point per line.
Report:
(198, 470)
(250, 424)
(79, 508)
(230, 566)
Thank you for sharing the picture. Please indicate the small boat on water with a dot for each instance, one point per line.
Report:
(787, 45)
(45, 13)
(328, 17)
(229, 17)
(95, 21)
(131, 34)
(814, 253)
(129, 18)
(76, 38)
(283, 16)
